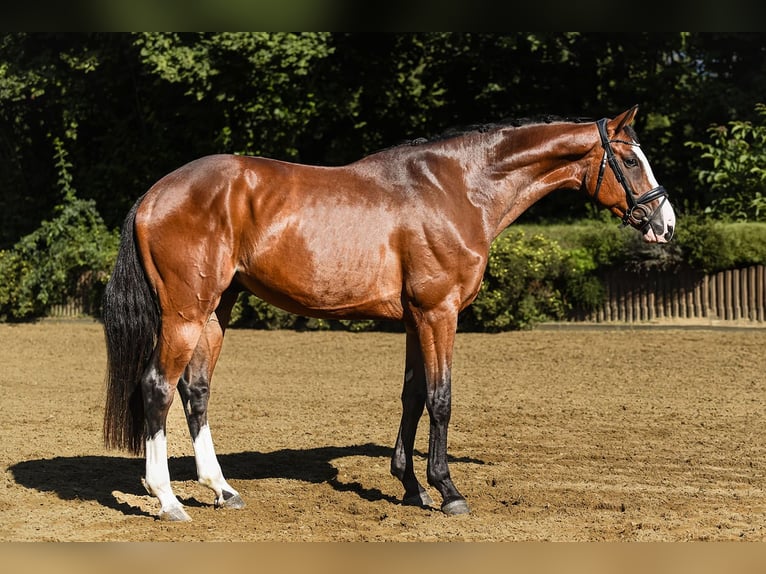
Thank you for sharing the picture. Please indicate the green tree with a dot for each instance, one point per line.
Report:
(736, 172)
(135, 106)
(257, 86)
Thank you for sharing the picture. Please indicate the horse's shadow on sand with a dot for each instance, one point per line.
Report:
(97, 477)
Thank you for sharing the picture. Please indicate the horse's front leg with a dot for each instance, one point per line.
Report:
(194, 389)
(413, 402)
(436, 333)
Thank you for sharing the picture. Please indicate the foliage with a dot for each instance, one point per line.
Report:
(711, 246)
(254, 83)
(700, 242)
(253, 313)
(609, 244)
(530, 279)
(69, 255)
(65, 254)
(737, 176)
(142, 105)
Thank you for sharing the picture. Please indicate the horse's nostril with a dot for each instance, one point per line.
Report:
(658, 227)
(669, 233)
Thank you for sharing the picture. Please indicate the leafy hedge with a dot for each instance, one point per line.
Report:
(700, 243)
(529, 279)
(69, 256)
(736, 176)
(710, 246)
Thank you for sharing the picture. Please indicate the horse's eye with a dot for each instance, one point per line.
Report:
(631, 162)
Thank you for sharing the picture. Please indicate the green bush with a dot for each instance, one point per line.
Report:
(710, 246)
(252, 312)
(530, 279)
(701, 243)
(70, 255)
(606, 241)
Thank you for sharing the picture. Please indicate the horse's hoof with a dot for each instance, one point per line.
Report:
(422, 499)
(176, 514)
(234, 501)
(455, 507)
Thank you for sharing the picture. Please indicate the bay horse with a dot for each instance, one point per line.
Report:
(403, 234)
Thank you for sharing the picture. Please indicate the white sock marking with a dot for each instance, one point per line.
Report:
(157, 479)
(208, 470)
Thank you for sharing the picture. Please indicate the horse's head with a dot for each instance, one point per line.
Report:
(621, 179)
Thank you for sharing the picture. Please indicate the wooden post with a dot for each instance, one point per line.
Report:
(760, 291)
(727, 294)
(698, 298)
(720, 306)
(755, 303)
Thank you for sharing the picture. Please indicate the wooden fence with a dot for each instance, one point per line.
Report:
(731, 295)
(82, 304)
(71, 309)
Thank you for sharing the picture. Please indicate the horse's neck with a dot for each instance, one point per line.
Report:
(528, 163)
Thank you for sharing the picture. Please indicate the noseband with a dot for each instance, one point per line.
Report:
(638, 214)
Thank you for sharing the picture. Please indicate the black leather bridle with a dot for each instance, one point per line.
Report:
(638, 214)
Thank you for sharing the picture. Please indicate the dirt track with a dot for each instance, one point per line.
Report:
(556, 435)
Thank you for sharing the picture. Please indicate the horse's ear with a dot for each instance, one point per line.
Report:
(624, 119)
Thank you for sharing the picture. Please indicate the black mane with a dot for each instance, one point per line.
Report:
(455, 132)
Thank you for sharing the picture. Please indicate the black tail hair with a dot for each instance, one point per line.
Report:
(131, 325)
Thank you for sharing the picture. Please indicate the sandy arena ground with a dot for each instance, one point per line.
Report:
(565, 435)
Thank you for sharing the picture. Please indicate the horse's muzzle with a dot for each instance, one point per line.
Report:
(657, 222)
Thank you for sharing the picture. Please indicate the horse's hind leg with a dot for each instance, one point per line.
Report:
(194, 389)
(413, 403)
(175, 347)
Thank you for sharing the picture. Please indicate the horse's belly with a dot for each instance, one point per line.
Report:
(332, 258)
(334, 281)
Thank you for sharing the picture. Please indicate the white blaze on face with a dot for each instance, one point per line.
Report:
(666, 216)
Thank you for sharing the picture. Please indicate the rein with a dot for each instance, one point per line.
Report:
(638, 213)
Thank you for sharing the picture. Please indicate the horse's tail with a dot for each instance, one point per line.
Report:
(131, 325)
